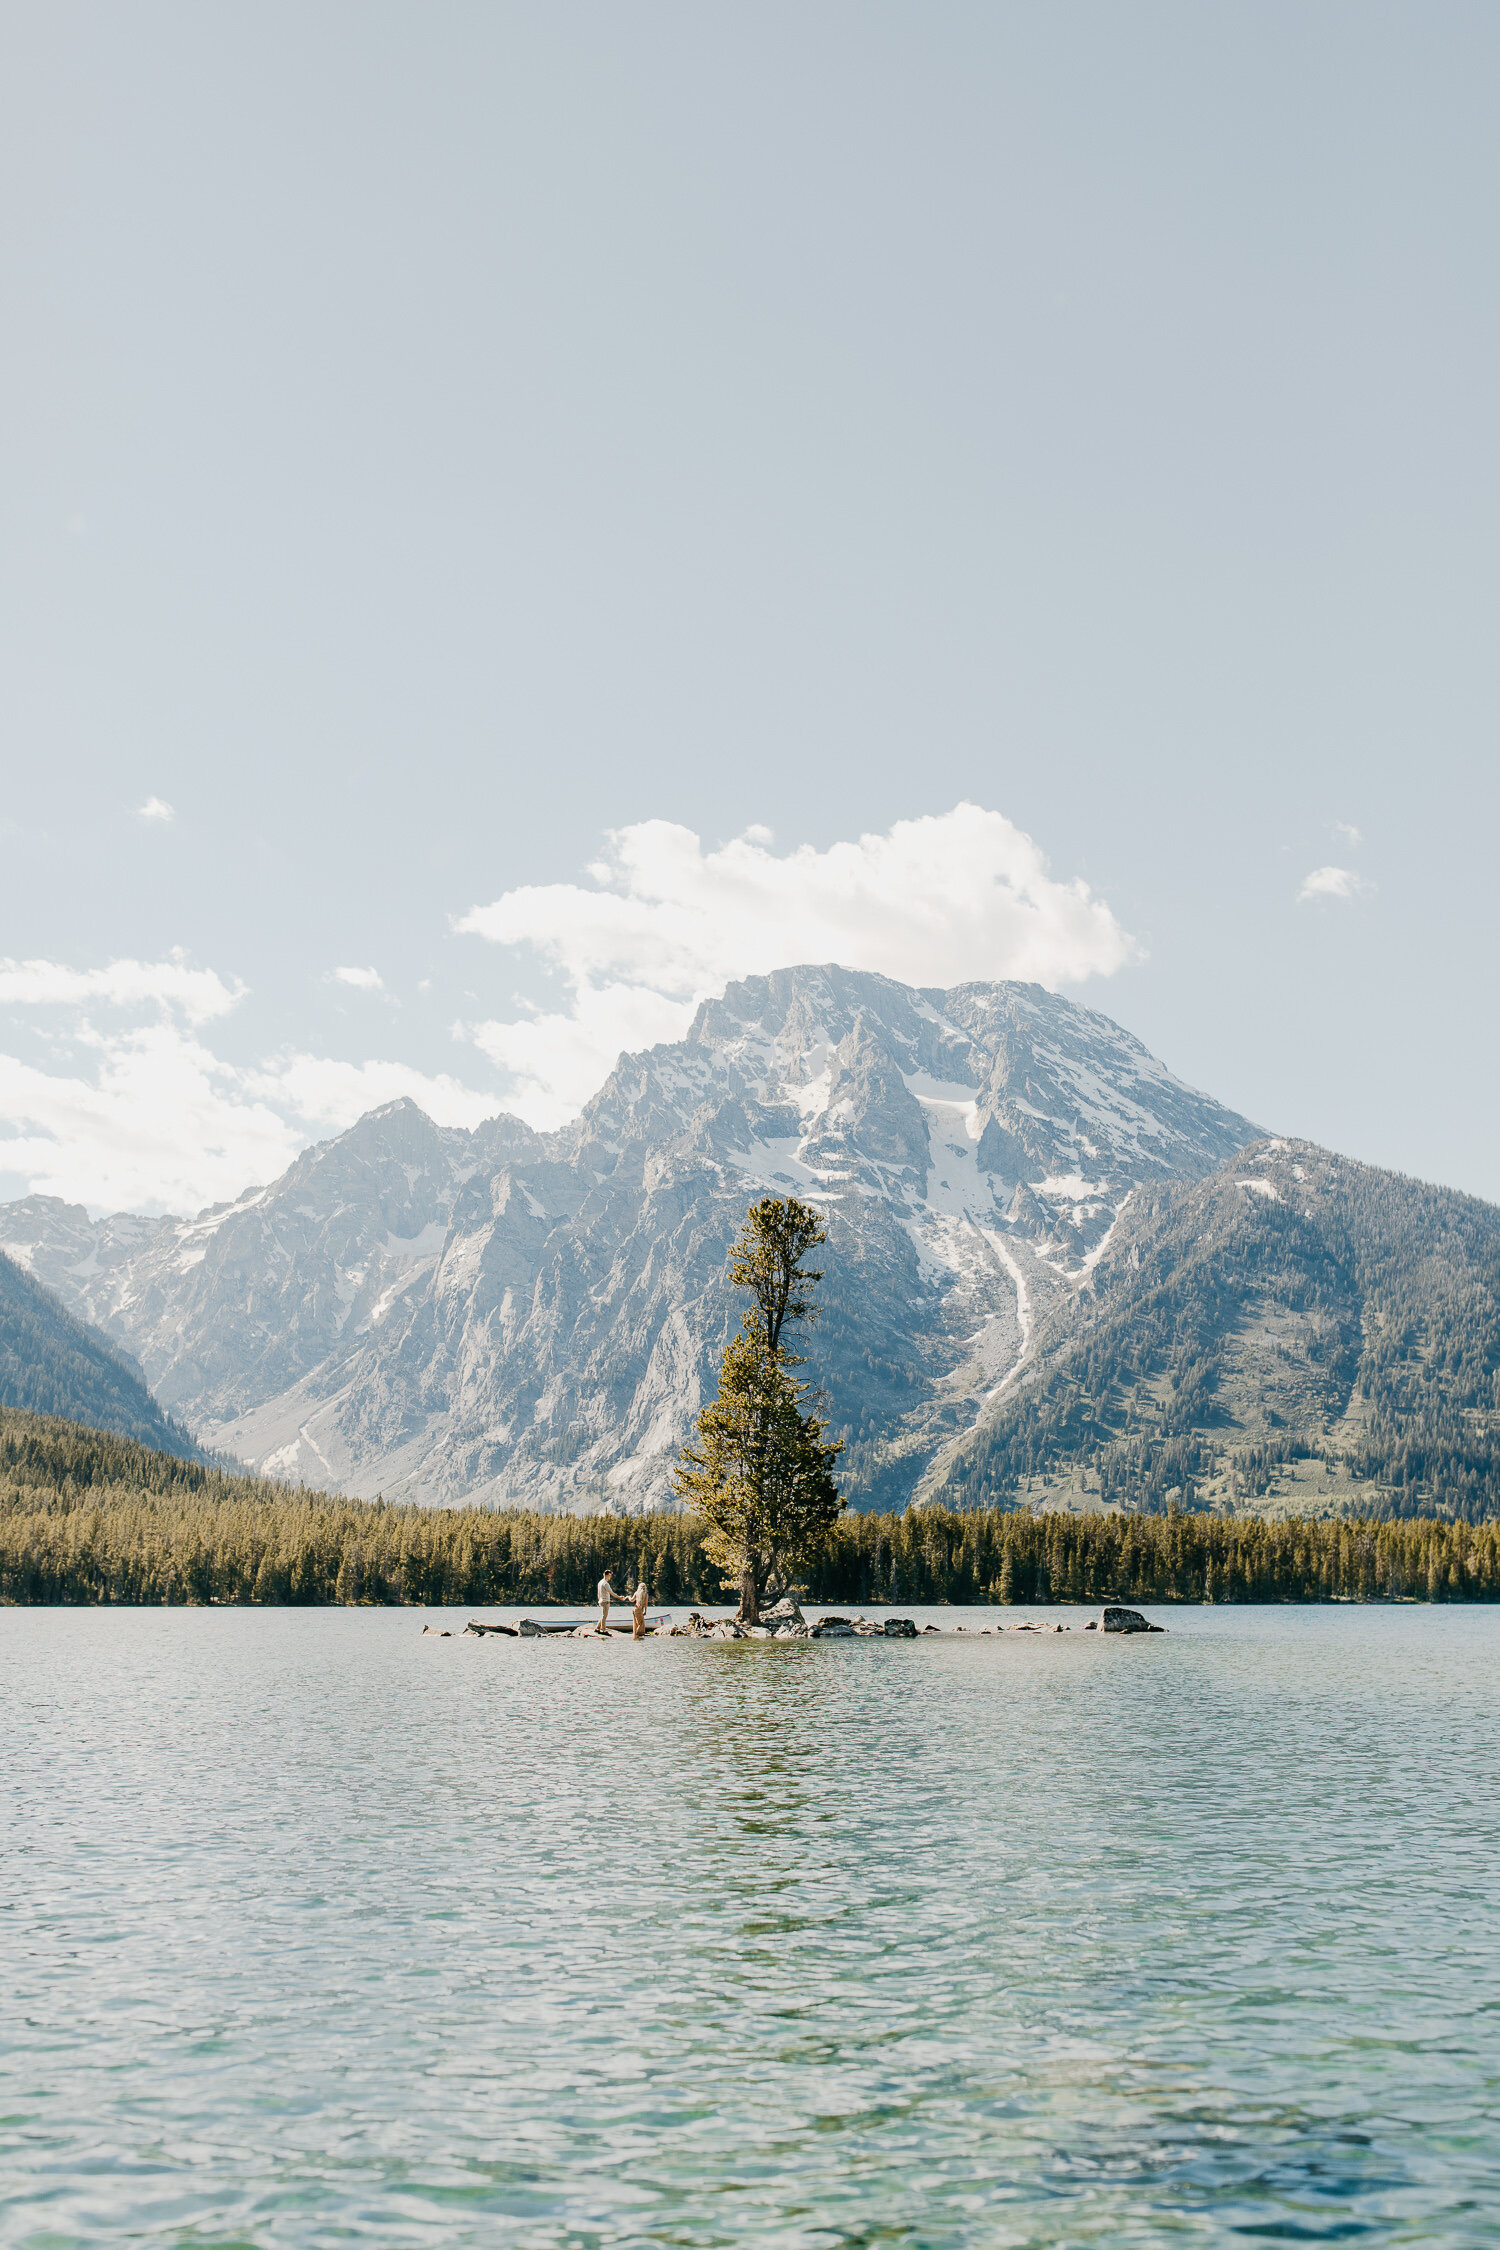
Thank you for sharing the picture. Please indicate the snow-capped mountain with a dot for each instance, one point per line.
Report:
(514, 1316)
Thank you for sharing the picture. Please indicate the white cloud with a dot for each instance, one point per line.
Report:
(363, 980)
(937, 900)
(158, 1123)
(1349, 832)
(145, 1116)
(327, 1096)
(199, 994)
(1332, 882)
(156, 808)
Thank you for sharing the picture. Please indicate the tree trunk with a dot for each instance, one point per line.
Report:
(749, 1597)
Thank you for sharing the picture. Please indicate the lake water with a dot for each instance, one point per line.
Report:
(316, 1931)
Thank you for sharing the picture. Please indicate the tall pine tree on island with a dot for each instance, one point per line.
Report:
(761, 1472)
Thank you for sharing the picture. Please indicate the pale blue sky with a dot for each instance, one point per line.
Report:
(437, 436)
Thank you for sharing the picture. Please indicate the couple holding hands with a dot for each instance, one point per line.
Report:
(638, 1607)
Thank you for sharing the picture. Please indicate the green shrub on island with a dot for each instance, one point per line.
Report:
(86, 1517)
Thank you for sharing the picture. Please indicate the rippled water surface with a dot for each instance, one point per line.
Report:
(319, 1931)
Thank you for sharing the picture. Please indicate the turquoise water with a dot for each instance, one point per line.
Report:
(316, 1931)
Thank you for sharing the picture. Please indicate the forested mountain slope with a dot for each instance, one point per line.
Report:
(1296, 1330)
(51, 1363)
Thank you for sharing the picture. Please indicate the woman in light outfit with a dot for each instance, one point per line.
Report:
(607, 1595)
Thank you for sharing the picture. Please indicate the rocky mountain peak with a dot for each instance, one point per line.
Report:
(525, 1316)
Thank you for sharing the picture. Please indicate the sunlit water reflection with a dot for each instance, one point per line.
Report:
(318, 1931)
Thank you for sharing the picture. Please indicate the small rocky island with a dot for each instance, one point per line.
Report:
(784, 1621)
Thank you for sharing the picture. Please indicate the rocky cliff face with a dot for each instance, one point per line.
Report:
(513, 1316)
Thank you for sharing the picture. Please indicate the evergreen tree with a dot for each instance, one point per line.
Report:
(761, 1473)
(767, 1260)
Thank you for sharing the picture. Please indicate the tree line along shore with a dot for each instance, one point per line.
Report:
(91, 1518)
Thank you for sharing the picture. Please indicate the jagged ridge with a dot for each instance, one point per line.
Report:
(538, 1318)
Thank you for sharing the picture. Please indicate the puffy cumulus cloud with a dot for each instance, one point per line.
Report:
(156, 808)
(363, 980)
(143, 1115)
(197, 994)
(934, 901)
(937, 900)
(1332, 882)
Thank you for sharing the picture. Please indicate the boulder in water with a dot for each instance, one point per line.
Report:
(1113, 1619)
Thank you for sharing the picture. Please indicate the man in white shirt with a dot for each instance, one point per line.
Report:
(606, 1596)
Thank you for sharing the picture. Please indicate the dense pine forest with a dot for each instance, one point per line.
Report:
(88, 1517)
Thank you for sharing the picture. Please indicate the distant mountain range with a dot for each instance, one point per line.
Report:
(1043, 1274)
(51, 1363)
